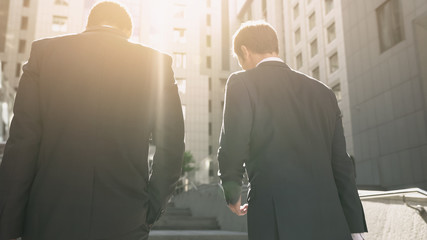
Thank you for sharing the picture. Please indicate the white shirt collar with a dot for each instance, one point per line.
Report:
(275, 59)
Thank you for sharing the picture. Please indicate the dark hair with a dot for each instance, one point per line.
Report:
(258, 36)
(110, 13)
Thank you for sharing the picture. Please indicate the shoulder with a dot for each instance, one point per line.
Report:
(236, 78)
(156, 55)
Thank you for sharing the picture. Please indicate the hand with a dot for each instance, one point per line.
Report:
(237, 209)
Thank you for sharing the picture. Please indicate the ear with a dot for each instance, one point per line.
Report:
(245, 51)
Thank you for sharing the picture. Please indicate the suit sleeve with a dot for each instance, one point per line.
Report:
(235, 138)
(18, 166)
(345, 180)
(168, 137)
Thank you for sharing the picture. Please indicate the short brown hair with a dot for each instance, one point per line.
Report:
(258, 36)
(110, 13)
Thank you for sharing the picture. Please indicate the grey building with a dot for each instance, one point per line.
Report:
(386, 55)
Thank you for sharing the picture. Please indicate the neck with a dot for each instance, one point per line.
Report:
(259, 57)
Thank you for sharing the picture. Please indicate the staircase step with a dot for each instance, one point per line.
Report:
(177, 212)
(197, 235)
(186, 223)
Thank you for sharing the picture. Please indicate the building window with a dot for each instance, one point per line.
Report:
(264, 9)
(180, 60)
(297, 36)
(210, 106)
(208, 20)
(390, 26)
(182, 85)
(211, 167)
(179, 11)
(208, 3)
(337, 90)
(222, 105)
(179, 35)
(312, 21)
(24, 23)
(18, 70)
(59, 24)
(210, 129)
(296, 11)
(208, 61)
(3, 66)
(26, 3)
(308, 2)
(223, 83)
(333, 63)
(299, 60)
(210, 163)
(208, 41)
(210, 83)
(313, 48)
(331, 33)
(315, 73)
(21, 48)
(329, 5)
(61, 2)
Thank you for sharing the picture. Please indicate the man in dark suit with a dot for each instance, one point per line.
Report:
(284, 128)
(75, 165)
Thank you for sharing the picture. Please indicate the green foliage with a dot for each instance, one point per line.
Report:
(188, 163)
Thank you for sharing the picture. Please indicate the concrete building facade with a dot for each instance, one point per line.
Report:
(386, 59)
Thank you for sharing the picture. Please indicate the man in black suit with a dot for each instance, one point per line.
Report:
(75, 165)
(284, 128)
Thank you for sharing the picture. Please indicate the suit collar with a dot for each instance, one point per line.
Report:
(273, 64)
(106, 29)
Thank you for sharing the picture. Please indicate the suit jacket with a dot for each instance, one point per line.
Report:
(286, 128)
(75, 164)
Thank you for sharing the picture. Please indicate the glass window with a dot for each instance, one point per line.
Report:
(21, 48)
(3, 65)
(208, 61)
(297, 36)
(208, 20)
(210, 105)
(180, 60)
(18, 70)
(179, 35)
(211, 166)
(296, 11)
(179, 11)
(61, 2)
(313, 48)
(390, 27)
(312, 21)
(26, 3)
(331, 33)
(315, 73)
(299, 60)
(208, 41)
(210, 129)
(333, 63)
(264, 9)
(24, 23)
(337, 90)
(182, 85)
(329, 5)
(59, 24)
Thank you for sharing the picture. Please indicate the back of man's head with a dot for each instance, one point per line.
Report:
(110, 14)
(257, 36)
